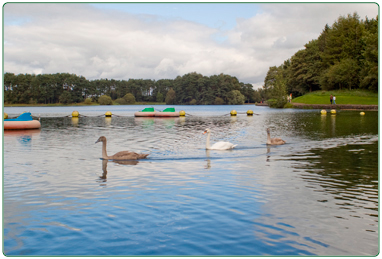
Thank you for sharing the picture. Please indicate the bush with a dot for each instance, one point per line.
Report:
(277, 103)
(121, 101)
(218, 101)
(193, 102)
(105, 100)
(288, 105)
(88, 101)
(129, 98)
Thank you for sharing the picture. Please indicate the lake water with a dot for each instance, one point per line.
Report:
(315, 195)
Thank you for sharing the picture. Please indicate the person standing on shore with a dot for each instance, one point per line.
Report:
(331, 99)
(334, 99)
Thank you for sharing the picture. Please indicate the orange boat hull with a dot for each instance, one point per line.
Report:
(21, 125)
(144, 114)
(166, 114)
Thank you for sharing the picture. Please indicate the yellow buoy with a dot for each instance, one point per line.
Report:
(75, 114)
(5, 115)
(182, 113)
(323, 111)
(333, 111)
(362, 113)
(108, 114)
(233, 113)
(250, 113)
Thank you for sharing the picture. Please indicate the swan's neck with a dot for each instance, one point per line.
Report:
(269, 138)
(208, 141)
(104, 153)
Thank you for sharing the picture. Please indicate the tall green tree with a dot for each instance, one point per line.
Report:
(159, 97)
(235, 97)
(170, 97)
(66, 97)
(305, 69)
(278, 92)
(369, 71)
(343, 74)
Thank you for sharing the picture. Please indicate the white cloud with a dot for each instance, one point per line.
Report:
(80, 39)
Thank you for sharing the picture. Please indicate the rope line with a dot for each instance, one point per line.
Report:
(121, 115)
(82, 115)
(246, 113)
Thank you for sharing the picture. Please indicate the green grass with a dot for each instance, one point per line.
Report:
(342, 97)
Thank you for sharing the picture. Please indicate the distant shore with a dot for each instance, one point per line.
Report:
(294, 105)
(74, 104)
(262, 104)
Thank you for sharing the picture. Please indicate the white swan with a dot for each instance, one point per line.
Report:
(273, 141)
(218, 145)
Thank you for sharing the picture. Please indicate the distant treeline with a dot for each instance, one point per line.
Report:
(345, 56)
(192, 88)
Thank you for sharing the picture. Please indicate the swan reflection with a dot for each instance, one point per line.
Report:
(103, 177)
(268, 153)
(104, 170)
(208, 166)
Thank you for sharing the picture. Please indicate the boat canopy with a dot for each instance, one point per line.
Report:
(26, 116)
(151, 109)
(169, 110)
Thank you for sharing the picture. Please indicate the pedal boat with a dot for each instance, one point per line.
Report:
(147, 112)
(168, 112)
(23, 122)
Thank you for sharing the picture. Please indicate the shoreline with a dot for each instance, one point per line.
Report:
(369, 107)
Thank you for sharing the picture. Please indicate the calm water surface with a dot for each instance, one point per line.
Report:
(316, 195)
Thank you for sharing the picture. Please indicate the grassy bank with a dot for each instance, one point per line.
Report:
(342, 97)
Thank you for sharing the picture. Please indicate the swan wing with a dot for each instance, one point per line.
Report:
(277, 141)
(222, 145)
(128, 155)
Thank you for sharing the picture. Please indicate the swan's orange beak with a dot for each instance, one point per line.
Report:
(204, 132)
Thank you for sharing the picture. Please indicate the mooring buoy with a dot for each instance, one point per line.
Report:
(75, 114)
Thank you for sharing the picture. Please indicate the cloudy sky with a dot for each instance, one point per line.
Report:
(157, 40)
